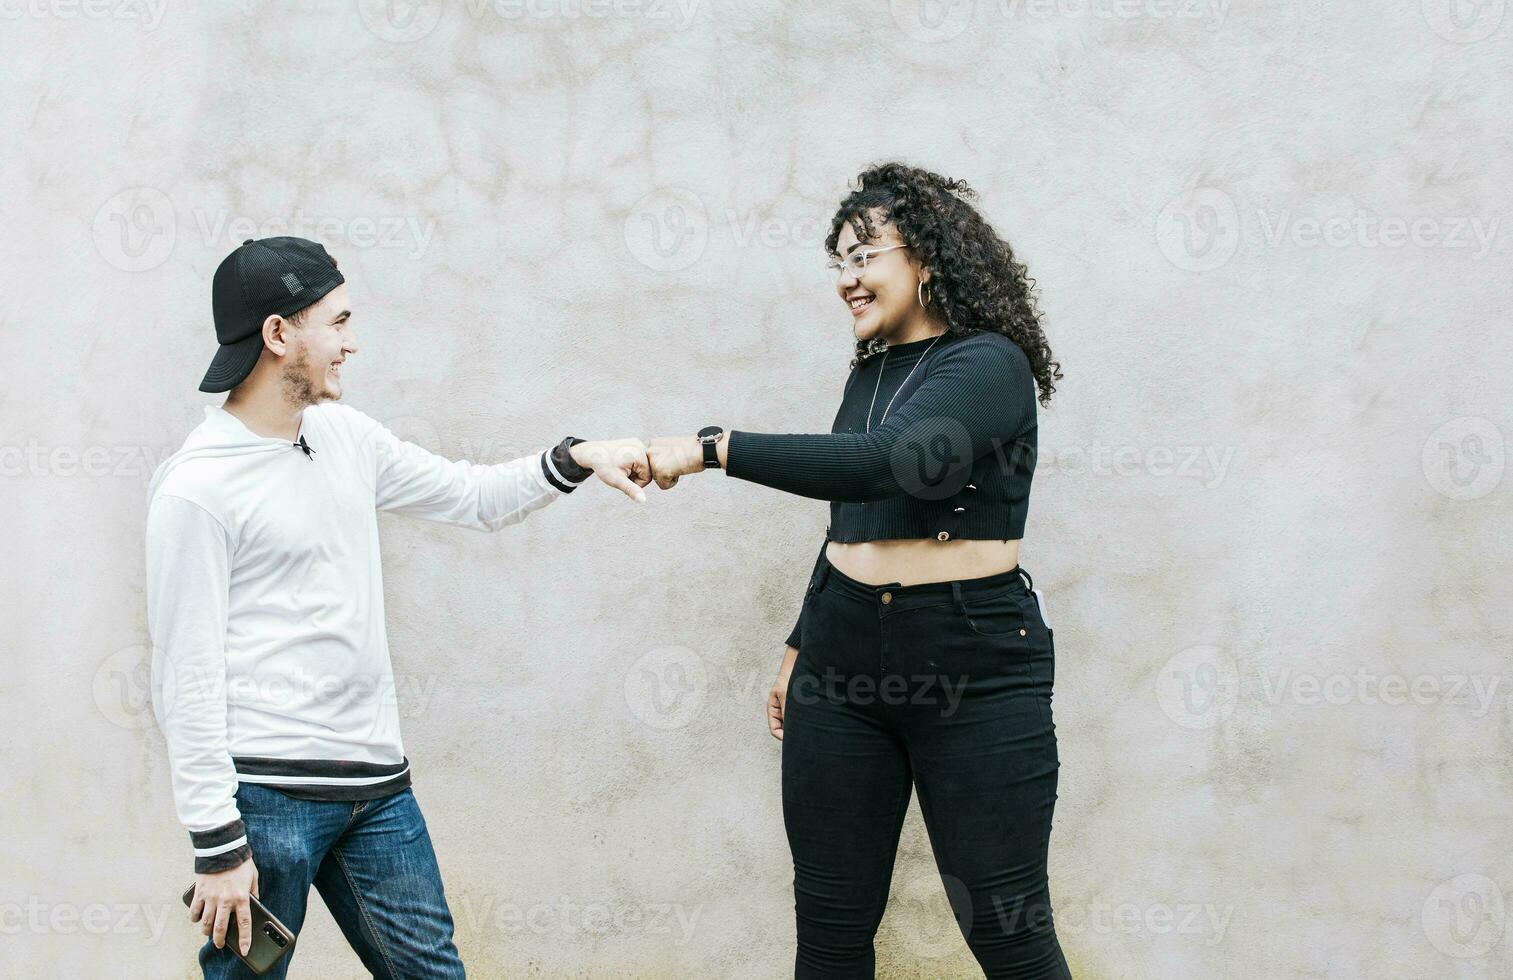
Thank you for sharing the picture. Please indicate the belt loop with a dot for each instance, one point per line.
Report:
(1030, 581)
(819, 583)
(956, 596)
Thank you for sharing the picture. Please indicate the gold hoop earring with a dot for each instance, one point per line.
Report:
(919, 292)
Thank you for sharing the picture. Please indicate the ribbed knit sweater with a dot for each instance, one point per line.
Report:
(948, 452)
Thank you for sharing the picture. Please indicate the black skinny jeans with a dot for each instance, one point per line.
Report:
(944, 686)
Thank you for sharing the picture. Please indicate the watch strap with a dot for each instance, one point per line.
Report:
(711, 446)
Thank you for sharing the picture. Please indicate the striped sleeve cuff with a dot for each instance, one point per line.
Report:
(220, 849)
(560, 470)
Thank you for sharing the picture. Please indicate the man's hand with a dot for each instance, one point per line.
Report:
(674, 456)
(777, 699)
(621, 463)
(219, 896)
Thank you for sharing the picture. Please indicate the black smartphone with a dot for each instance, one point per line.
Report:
(270, 938)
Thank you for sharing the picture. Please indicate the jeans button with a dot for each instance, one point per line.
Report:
(887, 598)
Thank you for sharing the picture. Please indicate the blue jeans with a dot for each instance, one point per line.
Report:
(943, 688)
(372, 863)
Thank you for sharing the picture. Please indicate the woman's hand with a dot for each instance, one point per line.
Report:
(674, 456)
(777, 700)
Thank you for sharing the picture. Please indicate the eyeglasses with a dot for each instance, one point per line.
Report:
(856, 262)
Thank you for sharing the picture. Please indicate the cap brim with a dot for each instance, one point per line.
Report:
(232, 363)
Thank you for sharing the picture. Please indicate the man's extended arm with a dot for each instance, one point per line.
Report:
(412, 480)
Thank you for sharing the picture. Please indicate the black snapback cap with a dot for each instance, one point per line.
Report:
(261, 278)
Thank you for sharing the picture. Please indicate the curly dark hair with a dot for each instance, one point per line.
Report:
(976, 283)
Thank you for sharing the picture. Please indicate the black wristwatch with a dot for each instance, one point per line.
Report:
(709, 436)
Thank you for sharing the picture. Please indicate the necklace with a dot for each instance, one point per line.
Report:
(900, 384)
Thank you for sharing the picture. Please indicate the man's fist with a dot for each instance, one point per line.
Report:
(621, 463)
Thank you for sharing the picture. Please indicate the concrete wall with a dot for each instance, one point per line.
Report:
(1270, 517)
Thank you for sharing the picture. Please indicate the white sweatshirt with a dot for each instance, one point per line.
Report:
(265, 603)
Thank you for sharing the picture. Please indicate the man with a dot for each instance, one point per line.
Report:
(271, 673)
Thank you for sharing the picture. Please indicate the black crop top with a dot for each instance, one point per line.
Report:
(953, 459)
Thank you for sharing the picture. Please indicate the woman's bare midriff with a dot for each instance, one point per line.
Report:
(916, 560)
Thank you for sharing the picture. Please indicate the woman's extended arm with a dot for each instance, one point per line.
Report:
(978, 396)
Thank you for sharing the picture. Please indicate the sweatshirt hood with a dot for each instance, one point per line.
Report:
(220, 435)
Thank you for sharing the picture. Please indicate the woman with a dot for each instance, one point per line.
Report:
(921, 658)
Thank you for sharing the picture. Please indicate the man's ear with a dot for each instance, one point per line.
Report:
(276, 334)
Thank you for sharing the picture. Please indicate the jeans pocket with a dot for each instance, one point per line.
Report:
(999, 614)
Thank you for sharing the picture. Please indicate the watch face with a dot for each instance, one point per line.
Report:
(710, 430)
